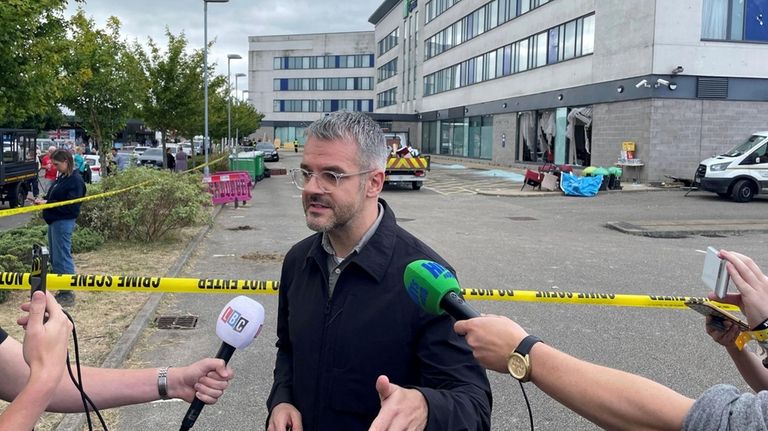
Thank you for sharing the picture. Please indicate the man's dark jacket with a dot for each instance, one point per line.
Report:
(330, 352)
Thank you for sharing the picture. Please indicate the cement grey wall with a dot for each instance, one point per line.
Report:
(504, 124)
(673, 136)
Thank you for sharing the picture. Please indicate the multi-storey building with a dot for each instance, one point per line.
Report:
(568, 81)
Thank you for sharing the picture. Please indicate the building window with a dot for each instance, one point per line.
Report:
(322, 84)
(734, 20)
(324, 62)
(537, 135)
(324, 105)
(435, 8)
(486, 18)
(463, 137)
(386, 98)
(570, 40)
(389, 41)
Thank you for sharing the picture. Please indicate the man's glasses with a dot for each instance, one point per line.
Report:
(328, 181)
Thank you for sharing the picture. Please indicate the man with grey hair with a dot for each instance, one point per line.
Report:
(354, 352)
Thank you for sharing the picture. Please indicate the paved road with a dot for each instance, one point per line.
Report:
(553, 243)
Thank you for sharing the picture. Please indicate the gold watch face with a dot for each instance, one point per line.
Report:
(519, 366)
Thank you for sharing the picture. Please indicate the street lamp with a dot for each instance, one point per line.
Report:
(237, 76)
(206, 139)
(229, 97)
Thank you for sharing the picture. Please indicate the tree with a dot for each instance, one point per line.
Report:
(245, 118)
(32, 45)
(173, 101)
(103, 80)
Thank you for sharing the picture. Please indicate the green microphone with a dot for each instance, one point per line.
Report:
(435, 289)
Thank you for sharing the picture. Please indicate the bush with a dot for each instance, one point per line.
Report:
(166, 202)
(9, 263)
(221, 165)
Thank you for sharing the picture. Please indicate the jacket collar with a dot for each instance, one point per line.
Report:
(375, 256)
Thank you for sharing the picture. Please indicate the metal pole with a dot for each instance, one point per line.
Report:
(229, 104)
(206, 171)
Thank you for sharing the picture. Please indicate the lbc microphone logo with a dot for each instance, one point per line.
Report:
(234, 319)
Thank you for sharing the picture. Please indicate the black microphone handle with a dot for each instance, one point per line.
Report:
(225, 352)
(457, 307)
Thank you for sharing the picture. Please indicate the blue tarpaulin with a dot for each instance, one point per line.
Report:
(573, 185)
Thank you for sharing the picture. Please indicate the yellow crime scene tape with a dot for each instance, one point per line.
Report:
(124, 283)
(35, 208)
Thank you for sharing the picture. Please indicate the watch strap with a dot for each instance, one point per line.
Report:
(526, 345)
(762, 326)
(162, 382)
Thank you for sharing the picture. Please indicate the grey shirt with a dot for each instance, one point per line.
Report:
(337, 264)
(725, 408)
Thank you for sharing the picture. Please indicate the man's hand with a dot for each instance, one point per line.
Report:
(284, 417)
(45, 343)
(401, 408)
(205, 379)
(492, 339)
(752, 285)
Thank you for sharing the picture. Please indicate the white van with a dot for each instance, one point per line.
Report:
(740, 173)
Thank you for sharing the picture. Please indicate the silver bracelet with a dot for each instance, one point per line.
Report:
(162, 382)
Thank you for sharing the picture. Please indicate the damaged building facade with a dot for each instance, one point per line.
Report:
(524, 82)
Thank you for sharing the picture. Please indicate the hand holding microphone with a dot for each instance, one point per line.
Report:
(436, 290)
(237, 326)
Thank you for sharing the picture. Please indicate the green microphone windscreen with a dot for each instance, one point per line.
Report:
(427, 282)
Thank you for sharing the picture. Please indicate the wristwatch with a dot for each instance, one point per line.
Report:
(519, 364)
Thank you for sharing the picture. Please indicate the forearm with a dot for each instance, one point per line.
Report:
(750, 367)
(109, 388)
(610, 398)
(27, 407)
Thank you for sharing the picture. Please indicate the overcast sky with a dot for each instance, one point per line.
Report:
(230, 23)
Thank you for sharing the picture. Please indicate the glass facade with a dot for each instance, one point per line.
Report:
(561, 135)
(389, 42)
(322, 84)
(486, 18)
(323, 105)
(463, 137)
(324, 62)
(436, 7)
(572, 39)
(386, 98)
(288, 134)
(388, 70)
(734, 20)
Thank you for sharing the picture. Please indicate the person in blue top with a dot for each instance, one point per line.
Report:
(61, 220)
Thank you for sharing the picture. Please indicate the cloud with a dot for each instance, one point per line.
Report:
(230, 24)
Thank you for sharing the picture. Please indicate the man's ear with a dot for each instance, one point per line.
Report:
(375, 183)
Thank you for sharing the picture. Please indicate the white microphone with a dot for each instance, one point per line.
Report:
(238, 325)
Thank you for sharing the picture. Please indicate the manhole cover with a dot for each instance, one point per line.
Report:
(236, 228)
(264, 257)
(522, 218)
(404, 220)
(176, 322)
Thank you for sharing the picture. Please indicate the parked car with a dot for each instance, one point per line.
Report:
(269, 150)
(740, 173)
(95, 164)
(152, 157)
(139, 150)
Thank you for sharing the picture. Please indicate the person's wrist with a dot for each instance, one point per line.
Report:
(165, 384)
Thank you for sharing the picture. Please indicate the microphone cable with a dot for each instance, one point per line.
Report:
(78, 381)
(527, 404)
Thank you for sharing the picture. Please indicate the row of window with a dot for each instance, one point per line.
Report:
(572, 39)
(734, 20)
(389, 41)
(386, 98)
(324, 62)
(327, 105)
(323, 84)
(388, 70)
(436, 7)
(491, 15)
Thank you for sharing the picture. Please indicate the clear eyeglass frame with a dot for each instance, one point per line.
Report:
(328, 181)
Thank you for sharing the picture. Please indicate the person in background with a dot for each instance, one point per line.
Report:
(61, 220)
(615, 399)
(79, 160)
(170, 161)
(49, 177)
(181, 159)
(33, 377)
(112, 161)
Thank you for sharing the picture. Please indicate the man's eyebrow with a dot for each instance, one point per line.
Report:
(332, 168)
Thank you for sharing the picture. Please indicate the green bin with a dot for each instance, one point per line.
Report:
(249, 161)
